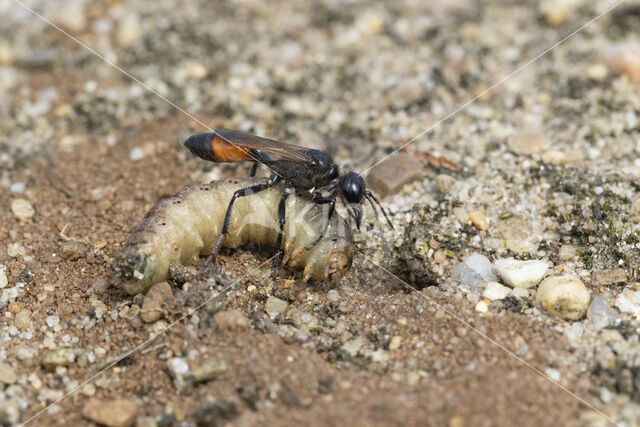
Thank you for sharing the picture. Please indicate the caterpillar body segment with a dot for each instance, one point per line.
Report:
(187, 225)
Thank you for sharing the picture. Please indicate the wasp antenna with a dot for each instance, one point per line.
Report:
(371, 198)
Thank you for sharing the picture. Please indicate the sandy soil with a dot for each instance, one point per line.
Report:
(356, 80)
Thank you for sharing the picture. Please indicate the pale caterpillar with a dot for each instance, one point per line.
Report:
(187, 225)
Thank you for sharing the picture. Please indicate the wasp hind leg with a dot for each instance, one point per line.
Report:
(281, 220)
(273, 180)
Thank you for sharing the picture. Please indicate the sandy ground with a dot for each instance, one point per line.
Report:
(92, 152)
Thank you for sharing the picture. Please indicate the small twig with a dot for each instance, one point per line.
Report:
(53, 177)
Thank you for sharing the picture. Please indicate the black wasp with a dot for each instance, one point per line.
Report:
(295, 167)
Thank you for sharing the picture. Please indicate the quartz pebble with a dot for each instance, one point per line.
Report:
(521, 274)
(600, 313)
(275, 306)
(136, 154)
(564, 296)
(475, 268)
(628, 301)
(3, 278)
(496, 291)
(22, 209)
(178, 368)
(114, 413)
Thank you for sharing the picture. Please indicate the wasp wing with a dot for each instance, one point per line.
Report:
(270, 146)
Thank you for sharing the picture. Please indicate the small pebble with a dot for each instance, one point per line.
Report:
(520, 292)
(445, 183)
(527, 142)
(389, 177)
(395, 342)
(7, 374)
(333, 295)
(554, 157)
(479, 220)
(567, 252)
(208, 370)
(461, 215)
(564, 296)
(113, 413)
(496, 291)
(481, 265)
(178, 368)
(610, 277)
(557, 12)
(624, 59)
(157, 302)
(521, 274)
(17, 187)
(628, 301)
(482, 306)
(136, 154)
(231, 319)
(52, 359)
(3, 278)
(22, 209)
(22, 320)
(275, 306)
(439, 256)
(129, 30)
(597, 72)
(600, 313)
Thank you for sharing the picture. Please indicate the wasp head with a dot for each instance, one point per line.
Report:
(353, 189)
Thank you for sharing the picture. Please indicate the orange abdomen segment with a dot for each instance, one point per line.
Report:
(223, 151)
(210, 146)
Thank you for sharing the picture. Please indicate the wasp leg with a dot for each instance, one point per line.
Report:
(331, 200)
(227, 216)
(254, 169)
(281, 220)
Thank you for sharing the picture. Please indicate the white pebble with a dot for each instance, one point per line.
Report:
(53, 321)
(17, 187)
(481, 265)
(520, 292)
(177, 367)
(136, 154)
(600, 313)
(521, 274)
(629, 301)
(22, 209)
(496, 291)
(333, 295)
(564, 296)
(3, 278)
